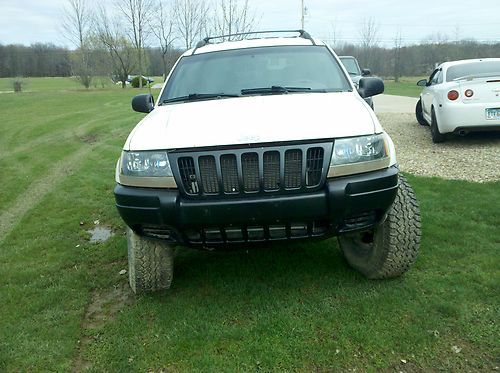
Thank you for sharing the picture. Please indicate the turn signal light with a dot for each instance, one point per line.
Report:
(453, 95)
(469, 93)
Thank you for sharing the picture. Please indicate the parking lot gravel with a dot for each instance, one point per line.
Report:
(475, 157)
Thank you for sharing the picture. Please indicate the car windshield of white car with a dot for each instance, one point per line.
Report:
(472, 70)
(263, 70)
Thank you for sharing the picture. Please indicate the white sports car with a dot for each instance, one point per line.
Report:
(461, 97)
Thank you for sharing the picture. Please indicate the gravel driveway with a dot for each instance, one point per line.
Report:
(475, 157)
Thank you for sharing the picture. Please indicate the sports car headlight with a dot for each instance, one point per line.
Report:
(359, 154)
(146, 164)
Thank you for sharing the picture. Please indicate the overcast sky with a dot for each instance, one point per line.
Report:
(29, 21)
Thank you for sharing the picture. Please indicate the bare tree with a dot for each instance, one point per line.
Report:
(162, 27)
(77, 23)
(233, 17)
(336, 40)
(190, 20)
(136, 13)
(112, 37)
(369, 33)
(398, 43)
(369, 39)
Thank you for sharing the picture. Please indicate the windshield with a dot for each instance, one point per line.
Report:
(351, 65)
(480, 68)
(230, 72)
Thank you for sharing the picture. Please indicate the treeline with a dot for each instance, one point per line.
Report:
(416, 60)
(46, 60)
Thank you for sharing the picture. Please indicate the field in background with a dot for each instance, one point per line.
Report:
(63, 83)
(299, 307)
(407, 86)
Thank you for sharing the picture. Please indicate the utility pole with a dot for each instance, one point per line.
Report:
(302, 11)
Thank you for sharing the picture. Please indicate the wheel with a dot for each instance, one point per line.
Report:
(420, 116)
(390, 248)
(437, 136)
(150, 263)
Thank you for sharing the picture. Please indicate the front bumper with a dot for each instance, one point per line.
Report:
(344, 204)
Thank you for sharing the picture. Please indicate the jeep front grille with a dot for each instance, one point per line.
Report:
(249, 171)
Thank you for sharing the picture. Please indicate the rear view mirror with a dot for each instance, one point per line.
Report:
(369, 87)
(143, 103)
(366, 72)
(422, 83)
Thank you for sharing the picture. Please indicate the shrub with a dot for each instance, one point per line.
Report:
(135, 82)
(17, 84)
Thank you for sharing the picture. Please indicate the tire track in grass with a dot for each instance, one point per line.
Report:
(67, 133)
(11, 217)
(71, 133)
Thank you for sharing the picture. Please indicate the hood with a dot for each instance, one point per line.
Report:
(254, 119)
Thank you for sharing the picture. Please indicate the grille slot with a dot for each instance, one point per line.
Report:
(208, 173)
(314, 166)
(293, 168)
(188, 175)
(272, 170)
(229, 169)
(250, 167)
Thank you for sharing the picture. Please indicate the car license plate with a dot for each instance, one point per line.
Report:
(492, 114)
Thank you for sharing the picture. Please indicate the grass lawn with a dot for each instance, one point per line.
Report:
(407, 86)
(65, 306)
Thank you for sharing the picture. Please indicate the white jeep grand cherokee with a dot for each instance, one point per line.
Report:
(257, 141)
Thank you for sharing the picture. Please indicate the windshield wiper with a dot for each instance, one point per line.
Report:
(199, 96)
(276, 89)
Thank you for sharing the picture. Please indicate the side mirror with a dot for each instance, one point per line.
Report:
(143, 103)
(369, 87)
(366, 72)
(422, 83)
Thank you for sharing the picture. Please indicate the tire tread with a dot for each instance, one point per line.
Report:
(151, 263)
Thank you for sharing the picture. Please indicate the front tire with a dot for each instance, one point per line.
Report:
(419, 114)
(391, 248)
(150, 264)
(437, 136)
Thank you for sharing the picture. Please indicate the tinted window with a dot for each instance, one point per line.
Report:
(437, 77)
(351, 66)
(478, 69)
(233, 70)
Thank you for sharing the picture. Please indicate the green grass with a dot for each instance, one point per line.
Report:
(407, 86)
(65, 306)
(62, 84)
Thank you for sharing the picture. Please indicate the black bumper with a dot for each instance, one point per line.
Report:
(344, 204)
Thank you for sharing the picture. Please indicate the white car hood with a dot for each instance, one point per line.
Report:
(254, 119)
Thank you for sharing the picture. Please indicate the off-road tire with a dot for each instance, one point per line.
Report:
(420, 116)
(394, 244)
(437, 136)
(150, 263)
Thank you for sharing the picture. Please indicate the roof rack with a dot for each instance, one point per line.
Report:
(302, 34)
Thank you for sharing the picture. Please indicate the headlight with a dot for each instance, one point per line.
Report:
(359, 154)
(359, 149)
(146, 164)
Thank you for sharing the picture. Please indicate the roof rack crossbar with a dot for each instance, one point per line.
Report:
(302, 34)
